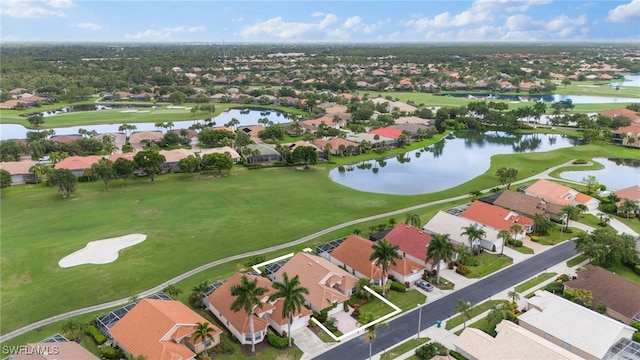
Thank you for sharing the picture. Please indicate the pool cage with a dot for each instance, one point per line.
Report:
(107, 321)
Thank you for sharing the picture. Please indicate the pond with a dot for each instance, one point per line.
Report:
(630, 80)
(551, 98)
(617, 173)
(246, 117)
(456, 159)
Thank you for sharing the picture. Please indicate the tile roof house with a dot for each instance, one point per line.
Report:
(19, 171)
(54, 351)
(620, 296)
(560, 194)
(235, 157)
(350, 147)
(582, 331)
(328, 120)
(446, 223)
(527, 204)
(412, 242)
(631, 193)
(354, 254)
(627, 135)
(77, 164)
(219, 303)
(329, 285)
(161, 330)
(388, 132)
(511, 342)
(496, 217)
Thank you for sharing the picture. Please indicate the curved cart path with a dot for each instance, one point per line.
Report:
(107, 305)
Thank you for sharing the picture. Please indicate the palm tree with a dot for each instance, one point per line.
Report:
(203, 332)
(72, 329)
(570, 212)
(385, 255)
(474, 233)
(292, 294)
(464, 253)
(501, 311)
(361, 292)
(393, 222)
(464, 308)
(172, 290)
(514, 296)
(198, 292)
(505, 235)
(413, 220)
(439, 249)
(247, 295)
(370, 336)
(591, 248)
(516, 230)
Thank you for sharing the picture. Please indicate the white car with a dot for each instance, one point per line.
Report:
(424, 285)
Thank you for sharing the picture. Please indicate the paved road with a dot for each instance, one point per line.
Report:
(111, 304)
(407, 325)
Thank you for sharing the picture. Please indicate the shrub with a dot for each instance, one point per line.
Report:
(95, 334)
(430, 350)
(636, 336)
(111, 353)
(256, 259)
(396, 286)
(636, 269)
(278, 341)
(457, 355)
(601, 309)
(463, 270)
(534, 238)
(224, 347)
(554, 287)
(518, 243)
(580, 161)
(635, 325)
(563, 278)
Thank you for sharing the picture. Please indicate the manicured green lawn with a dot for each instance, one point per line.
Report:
(483, 324)
(576, 260)
(475, 311)
(556, 235)
(524, 250)
(625, 272)
(403, 348)
(534, 281)
(487, 264)
(405, 301)
(634, 224)
(190, 223)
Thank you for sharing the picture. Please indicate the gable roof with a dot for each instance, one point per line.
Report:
(526, 204)
(18, 167)
(355, 251)
(556, 193)
(574, 324)
(494, 216)
(153, 326)
(137, 137)
(322, 278)
(386, 132)
(410, 240)
(511, 342)
(222, 299)
(77, 162)
(445, 223)
(631, 193)
(613, 291)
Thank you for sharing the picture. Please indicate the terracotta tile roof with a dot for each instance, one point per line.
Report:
(356, 251)
(410, 240)
(175, 155)
(225, 149)
(631, 193)
(494, 216)
(78, 162)
(276, 315)
(65, 138)
(613, 291)
(556, 193)
(56, 351)
(128, 156)
(387, 132)
(222, 299)
(622, 112)
(18, 167)
(526, 204)
(327, 120)
(633, 130)
(335, 143)
(149, 328)
(325, 281)
(145, 135)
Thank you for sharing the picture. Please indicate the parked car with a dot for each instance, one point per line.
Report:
(424, 285)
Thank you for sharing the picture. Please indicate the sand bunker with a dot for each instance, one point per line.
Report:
(101, 251)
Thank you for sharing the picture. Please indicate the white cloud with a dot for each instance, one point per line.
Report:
(317, 14)
(29, 9)
(277, 27)
(60, 3)
(626, 13)
(162, 34)
(88, 25)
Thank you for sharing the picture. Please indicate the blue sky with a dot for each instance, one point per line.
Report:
(299, 21)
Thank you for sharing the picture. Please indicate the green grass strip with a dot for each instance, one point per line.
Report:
(475, 311)
(534, 281)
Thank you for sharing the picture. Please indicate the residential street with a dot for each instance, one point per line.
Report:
(407, 325)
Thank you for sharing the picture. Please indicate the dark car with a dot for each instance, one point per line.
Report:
(424, 285)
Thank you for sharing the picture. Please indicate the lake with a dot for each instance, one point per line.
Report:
(246, 117)
(576, 99)
(456, 159)
(617, 173)
(630, 80)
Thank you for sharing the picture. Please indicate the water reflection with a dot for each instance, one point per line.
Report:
(617, 173)
(450, 162)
